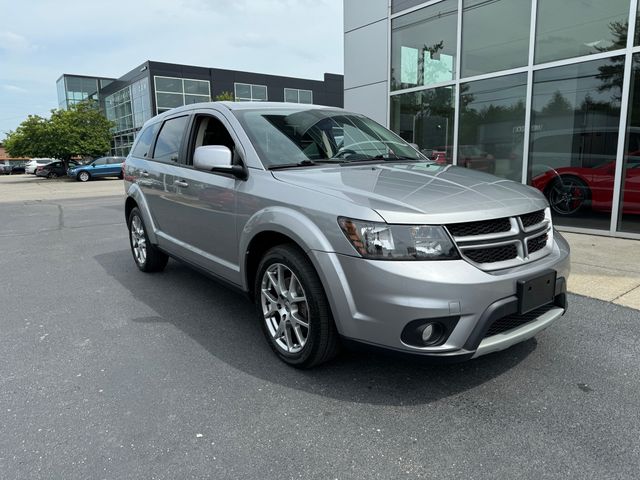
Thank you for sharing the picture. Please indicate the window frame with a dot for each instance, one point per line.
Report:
(182, 139)
(250, 85)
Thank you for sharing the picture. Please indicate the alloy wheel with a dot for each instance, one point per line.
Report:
(284, 307)
(138, 240)
(567, 196)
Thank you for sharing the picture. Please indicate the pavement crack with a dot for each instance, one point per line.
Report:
(625, 293)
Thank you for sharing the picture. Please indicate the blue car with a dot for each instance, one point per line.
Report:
(100, 167)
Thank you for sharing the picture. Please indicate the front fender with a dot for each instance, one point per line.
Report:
(134, 191)
(286, 221)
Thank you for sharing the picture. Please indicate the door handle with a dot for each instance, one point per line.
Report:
(180, 183)
(144, 173)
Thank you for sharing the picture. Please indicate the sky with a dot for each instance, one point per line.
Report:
(42, 39)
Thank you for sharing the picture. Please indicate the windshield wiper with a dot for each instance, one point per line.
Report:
(388, 158)
(304, 163)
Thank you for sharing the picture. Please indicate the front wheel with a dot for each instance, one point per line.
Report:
(293, 309)
(84, 176)
(53, 175)
(147, 256)
(568, 195)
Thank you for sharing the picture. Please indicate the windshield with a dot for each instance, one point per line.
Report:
(290, 136)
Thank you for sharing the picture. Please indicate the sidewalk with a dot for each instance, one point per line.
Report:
(605, 268)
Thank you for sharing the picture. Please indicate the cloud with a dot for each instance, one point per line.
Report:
(14, 43)
(13, 88)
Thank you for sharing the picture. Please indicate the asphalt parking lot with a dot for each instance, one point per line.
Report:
(106, 372)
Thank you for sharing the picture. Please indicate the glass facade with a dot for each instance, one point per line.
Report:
(492, 115)
(479, 98)
(483, 50)
(423, 46)
(72, 89)
(172, 92)
(128, 108)
(572, 28)
(426, 118)
(629, 213)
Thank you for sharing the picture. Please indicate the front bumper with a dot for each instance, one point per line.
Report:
(373, 301)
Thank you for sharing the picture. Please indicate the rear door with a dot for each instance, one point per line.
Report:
(157, 180)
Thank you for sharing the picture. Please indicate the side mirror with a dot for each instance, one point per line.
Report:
(217, 158)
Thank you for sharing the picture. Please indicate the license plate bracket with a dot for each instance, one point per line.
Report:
(533, 292)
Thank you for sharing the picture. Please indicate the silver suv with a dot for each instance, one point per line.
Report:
(341, 231)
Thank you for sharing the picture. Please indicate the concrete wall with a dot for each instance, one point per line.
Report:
(365, 57)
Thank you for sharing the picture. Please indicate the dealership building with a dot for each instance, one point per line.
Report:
(545, 92)
(155, 87)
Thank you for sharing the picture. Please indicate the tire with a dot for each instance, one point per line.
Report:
(120, 176)
(148, 257)
(52, 175)
(568, 195)
(285, 308)
(83, 176)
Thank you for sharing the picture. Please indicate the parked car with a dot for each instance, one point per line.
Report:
(357, 238)
(17, 169)
(32, 165)
(55, 169)
(5, 167)
(100, 167)
(571, 189)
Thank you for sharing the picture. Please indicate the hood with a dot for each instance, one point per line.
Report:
(420, 192)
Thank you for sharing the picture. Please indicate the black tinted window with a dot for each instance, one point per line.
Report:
(145, 140)
(168, 143)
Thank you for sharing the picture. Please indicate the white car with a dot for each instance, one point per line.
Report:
(32, 165)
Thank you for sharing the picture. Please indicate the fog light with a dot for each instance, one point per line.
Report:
(427, 333)
(431, 333)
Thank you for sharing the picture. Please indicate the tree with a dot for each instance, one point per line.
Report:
(79, 131)
(225, 96)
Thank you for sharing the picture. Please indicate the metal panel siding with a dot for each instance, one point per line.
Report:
(370, 100)
(358, 13)
(365, 55)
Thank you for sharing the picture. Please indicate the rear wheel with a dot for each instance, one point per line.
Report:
(84, 176)
(567, 195)
(293, 309)
(148, 257)
(52, 175)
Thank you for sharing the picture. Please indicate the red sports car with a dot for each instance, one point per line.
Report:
(571, 188)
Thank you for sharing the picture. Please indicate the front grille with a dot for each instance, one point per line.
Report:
(492, 254)
(531, 219)
(538, 243)
(479, 228)
(514, 321)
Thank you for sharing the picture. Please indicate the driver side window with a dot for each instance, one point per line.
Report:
(211, 131)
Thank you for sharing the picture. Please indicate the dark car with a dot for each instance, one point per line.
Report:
(5, 167)
(17, 169)
(54, 169)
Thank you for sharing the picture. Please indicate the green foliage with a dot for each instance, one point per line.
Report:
(225, 96)
(79, 131)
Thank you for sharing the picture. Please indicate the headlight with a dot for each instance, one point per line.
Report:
(381, 241)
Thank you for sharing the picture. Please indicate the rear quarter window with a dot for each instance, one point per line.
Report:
(144, 141)
(170, 139)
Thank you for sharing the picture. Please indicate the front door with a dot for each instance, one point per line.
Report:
(204, 203)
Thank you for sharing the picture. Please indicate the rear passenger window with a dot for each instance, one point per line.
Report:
(145, 139)
(169, 139)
